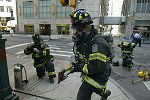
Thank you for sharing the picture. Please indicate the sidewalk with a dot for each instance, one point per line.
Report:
(67, 89)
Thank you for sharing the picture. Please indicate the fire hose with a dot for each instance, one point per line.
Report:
(32, 94)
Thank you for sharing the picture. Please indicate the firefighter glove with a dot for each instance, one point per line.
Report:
(31, 45)
(36, 50)
(77, 67)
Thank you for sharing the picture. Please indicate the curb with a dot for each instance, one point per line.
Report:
(125, 92)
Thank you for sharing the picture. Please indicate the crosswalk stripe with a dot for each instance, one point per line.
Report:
(62, 51)
(147, 84)
(61, 55)
(14, 46)
(21, 52)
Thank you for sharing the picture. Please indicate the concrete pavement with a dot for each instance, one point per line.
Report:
(67, 89)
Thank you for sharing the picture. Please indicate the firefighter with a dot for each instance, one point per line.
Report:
(42, 58)
(92, 57)
(127, 53)
(138, 39)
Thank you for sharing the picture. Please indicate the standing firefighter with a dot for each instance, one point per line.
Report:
(42, 58)
(92, 57)
(127, 53)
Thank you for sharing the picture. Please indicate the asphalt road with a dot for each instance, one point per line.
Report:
(140, 90)
(61, 48)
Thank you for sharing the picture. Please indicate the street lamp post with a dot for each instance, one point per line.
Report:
(11, 17)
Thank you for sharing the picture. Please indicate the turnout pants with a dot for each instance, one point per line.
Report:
(86, 90)
(49, 67)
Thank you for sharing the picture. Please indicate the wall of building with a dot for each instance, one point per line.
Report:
(53, 21)
(137, 13)
(96, 8)
(93, 6)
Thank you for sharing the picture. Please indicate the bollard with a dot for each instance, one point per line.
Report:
(5, 88)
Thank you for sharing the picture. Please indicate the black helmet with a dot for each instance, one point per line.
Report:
(36, 37)
(80, 17)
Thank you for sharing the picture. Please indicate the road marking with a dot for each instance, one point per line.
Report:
(62, 51)
(54, 48)
(58, 50)
(50, 50)
(61, 55)
(14, 46)
(19, 52)
(147, 84)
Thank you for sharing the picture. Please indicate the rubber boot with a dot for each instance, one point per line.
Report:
(51, 80)
(105, 96)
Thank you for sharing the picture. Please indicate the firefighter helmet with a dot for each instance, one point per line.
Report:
(125, 43)
(143, 74)
(36, 37)
(80, 17)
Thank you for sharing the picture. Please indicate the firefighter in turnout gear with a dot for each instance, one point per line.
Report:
(92, 53)
(127, 53)
(42, 58)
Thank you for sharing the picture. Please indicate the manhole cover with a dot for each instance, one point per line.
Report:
(116, 76)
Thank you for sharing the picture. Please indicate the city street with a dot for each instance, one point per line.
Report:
(24, 22)
(140, 91)
(61, 48)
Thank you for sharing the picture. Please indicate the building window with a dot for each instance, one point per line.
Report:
(8, 8)
(148, 8)
(1, 8)
(29, 29)
(62, 12)
(28, 11)
(139, 1)
(143, 6)
(45, 9)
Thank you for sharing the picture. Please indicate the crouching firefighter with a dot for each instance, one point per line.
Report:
(42, 58)
(92, 54)
(127, 53)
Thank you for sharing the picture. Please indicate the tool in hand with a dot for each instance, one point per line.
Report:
(62, 76)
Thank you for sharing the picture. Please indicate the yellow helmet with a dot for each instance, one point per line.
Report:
(80, 17)
(143, 74)
(125, 43)
(140, 74)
